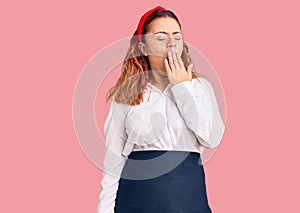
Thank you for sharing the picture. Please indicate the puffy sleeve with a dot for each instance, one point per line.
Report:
(114, 160)
(197, 104)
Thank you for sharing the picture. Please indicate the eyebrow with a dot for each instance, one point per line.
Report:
(164, 32)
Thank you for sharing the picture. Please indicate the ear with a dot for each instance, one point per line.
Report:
(142, 48)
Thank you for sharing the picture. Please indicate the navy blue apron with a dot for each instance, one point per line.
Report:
(162, 182)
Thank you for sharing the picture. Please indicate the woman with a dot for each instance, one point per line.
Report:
(160, 119)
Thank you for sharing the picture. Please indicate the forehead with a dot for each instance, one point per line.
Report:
(163, 24)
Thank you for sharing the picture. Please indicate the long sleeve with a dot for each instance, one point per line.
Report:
(114, 161)
(198, 106)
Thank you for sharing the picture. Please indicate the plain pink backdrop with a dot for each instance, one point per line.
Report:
(254, 47)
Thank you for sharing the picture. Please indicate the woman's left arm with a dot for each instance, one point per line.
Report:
(198, 106)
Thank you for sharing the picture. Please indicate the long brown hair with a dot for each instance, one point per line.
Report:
(136, 72)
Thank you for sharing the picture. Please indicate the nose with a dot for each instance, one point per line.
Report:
(171, 42)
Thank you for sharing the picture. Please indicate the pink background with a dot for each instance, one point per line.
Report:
(253, 46)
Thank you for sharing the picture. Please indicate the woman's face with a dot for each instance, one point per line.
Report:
(163, 34)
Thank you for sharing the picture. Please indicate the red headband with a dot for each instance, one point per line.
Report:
(143, 19)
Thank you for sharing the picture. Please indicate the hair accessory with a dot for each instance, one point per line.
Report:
(143, 19)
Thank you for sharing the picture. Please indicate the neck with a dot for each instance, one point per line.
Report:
(159, 79)
(159, 74)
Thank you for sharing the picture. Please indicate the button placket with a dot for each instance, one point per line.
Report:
(167, 101)
(164, 95)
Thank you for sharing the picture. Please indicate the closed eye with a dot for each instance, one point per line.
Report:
(161, 39)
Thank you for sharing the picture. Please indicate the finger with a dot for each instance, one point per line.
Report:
(180, 62)
(168, 69)
(171, 61)
(189, 69)
(174, 55)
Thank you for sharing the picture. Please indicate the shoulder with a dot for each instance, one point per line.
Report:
(119, 109)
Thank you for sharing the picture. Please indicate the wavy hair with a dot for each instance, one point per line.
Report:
(136, 72)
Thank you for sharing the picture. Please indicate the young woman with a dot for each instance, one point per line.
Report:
(160, 119)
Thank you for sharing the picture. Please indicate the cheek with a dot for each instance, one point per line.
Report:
(158, 50)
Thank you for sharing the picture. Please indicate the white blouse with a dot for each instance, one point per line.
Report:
(183, 117)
